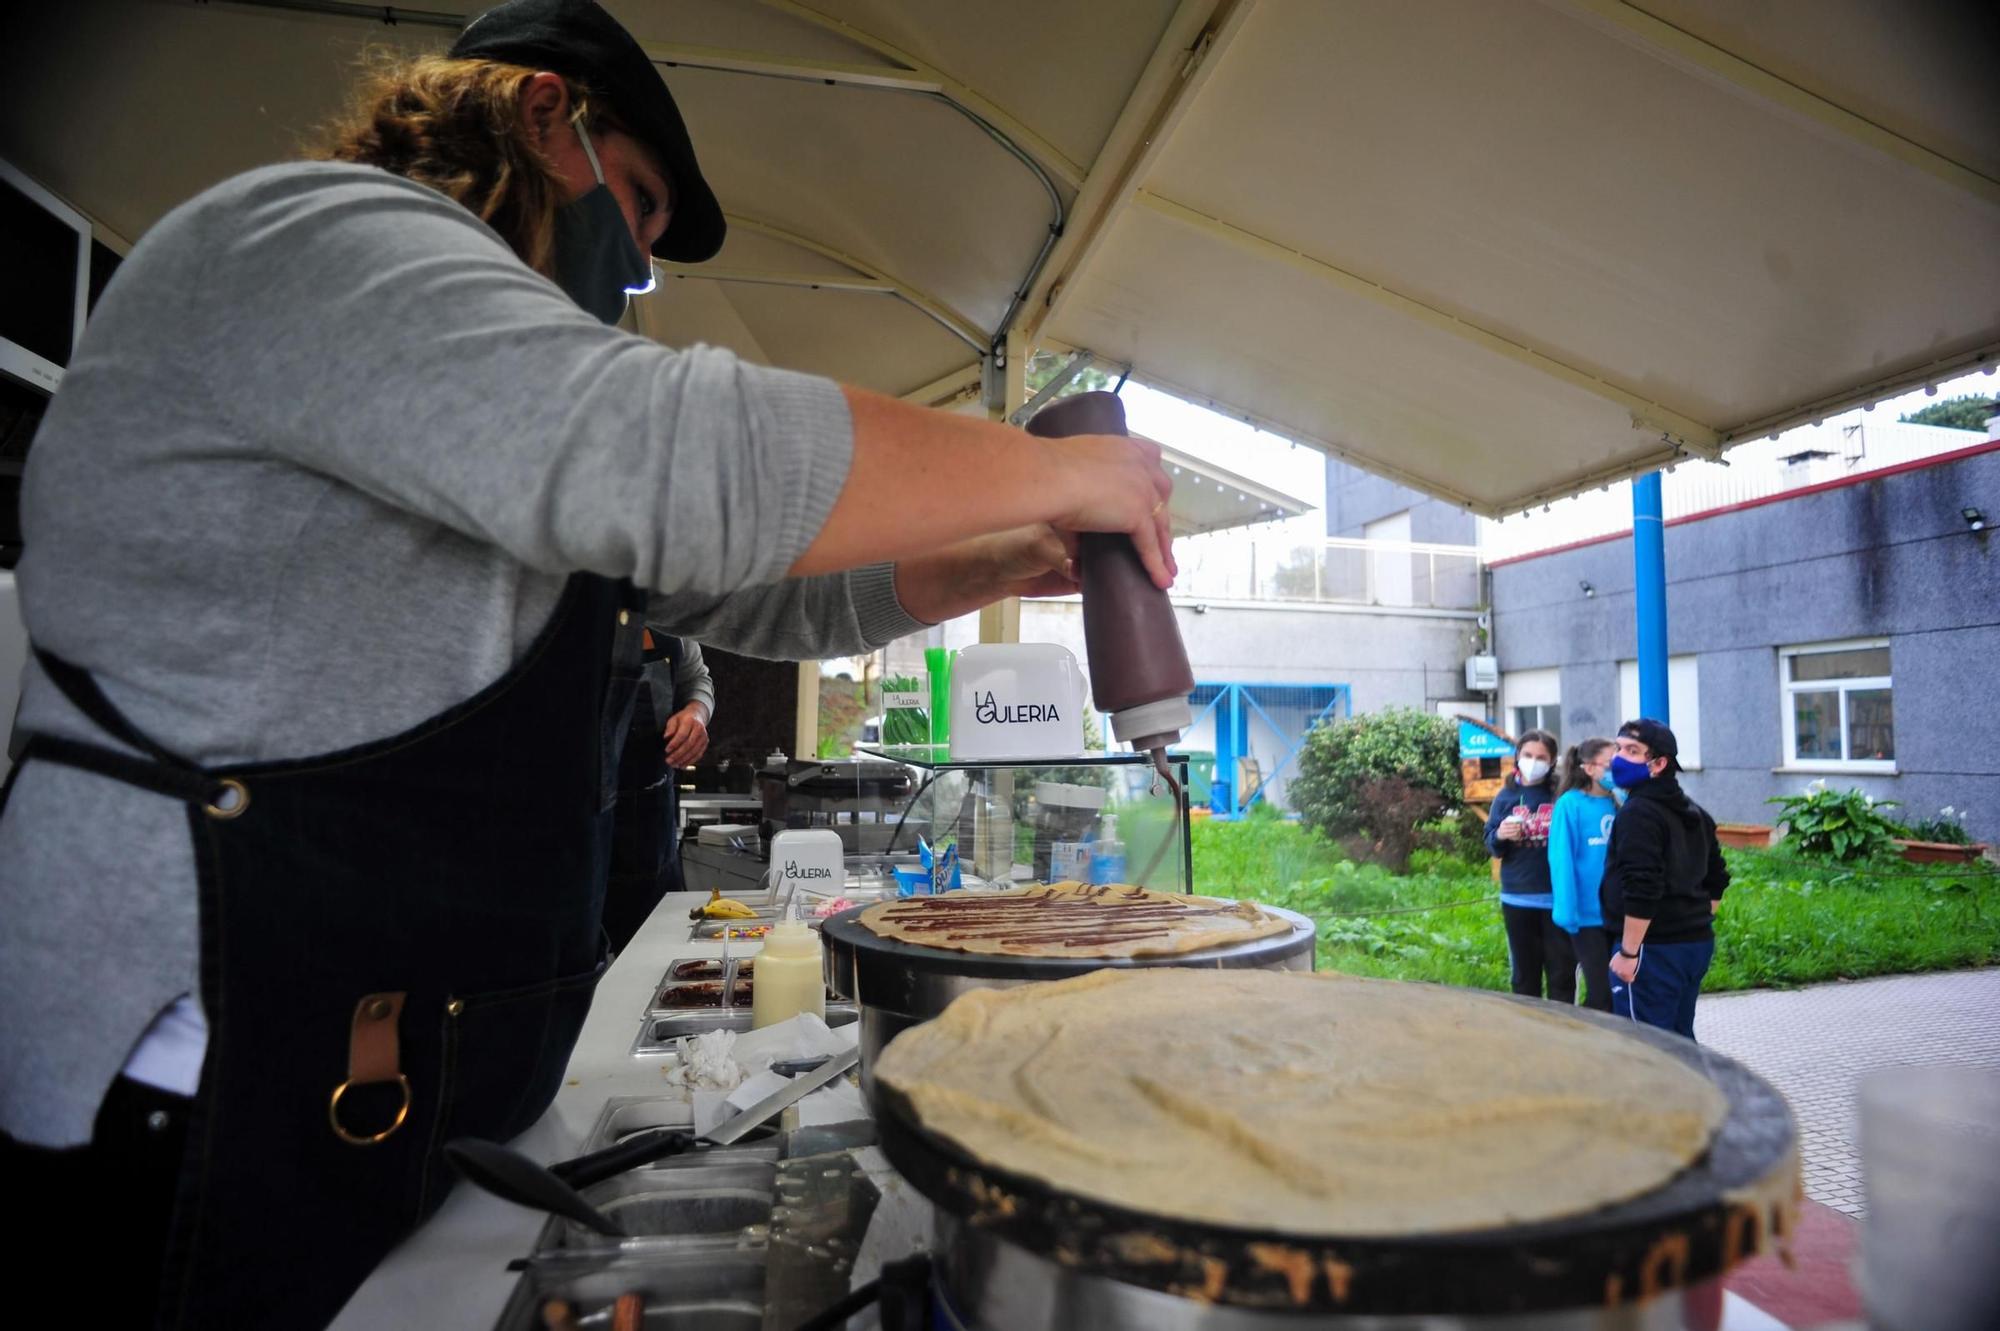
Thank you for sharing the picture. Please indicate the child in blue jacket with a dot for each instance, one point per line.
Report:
(1517, 833)
(1579, 833)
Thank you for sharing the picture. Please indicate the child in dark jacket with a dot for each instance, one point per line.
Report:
(1664, 878)
(1517, 833)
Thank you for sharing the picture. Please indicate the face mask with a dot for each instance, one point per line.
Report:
(1604, 779)
(1531, 770)
(596, 261)
(1626, 773)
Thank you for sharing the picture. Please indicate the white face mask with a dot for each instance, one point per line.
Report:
(1532, 770)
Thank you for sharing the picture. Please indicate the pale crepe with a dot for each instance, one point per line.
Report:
(1071, 920)
(1307, 1104)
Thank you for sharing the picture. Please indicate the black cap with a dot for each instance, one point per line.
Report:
(579, 40)
(1659, 740)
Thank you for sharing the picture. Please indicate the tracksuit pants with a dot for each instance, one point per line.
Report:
(1663, 990)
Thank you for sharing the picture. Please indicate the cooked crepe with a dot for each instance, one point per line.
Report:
(1071, 920)
(1312, 1105)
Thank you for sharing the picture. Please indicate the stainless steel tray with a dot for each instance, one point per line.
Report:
(660, 1032)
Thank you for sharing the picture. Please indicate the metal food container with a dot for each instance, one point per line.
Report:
(662, 1032)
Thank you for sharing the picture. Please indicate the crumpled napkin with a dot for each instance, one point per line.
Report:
(721, 1060)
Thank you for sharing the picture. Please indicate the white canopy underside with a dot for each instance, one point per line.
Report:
(1498, 249)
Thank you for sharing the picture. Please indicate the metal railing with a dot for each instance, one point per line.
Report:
(1331, 571)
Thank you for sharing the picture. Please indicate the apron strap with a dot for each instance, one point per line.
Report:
(87, 697)
(163, 772)
(184, 784)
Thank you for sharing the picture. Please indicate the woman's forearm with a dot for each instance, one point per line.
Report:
(921, 480)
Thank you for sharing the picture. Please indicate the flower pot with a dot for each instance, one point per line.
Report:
(1940, 852)
(1744, 836)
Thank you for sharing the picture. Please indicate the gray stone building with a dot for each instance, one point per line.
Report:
(1849, 631)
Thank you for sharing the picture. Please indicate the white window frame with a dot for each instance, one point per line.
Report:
(1683, 701)
(1788, 719)
(1540, 687)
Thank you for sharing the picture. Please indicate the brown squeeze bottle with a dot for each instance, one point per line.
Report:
(1138, 665)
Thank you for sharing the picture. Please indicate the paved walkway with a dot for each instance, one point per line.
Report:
(1815, 1044)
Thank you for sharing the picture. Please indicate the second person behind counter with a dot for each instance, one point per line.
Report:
(1517, 833)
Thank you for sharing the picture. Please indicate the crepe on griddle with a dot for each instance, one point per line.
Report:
(1308, 1104)
(1071, 920)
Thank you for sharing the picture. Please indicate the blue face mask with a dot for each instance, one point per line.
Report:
(596, 261)
(1625, 773)
(1604, 779)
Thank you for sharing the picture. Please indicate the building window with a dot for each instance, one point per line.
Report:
(1532, 700)
(1683, 703)
(1542, 716)
(1839, 709)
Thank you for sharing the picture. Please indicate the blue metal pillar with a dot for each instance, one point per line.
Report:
(1649, 585)
(1228, 748)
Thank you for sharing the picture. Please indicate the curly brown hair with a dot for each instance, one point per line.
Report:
(456, 126)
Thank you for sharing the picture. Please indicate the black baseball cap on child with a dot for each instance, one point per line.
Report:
(1659, 740)
(579, 40)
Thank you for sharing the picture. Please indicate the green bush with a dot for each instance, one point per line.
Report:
(1842, 825)
(1948, 828)
(1460, 837)
(1339, 759)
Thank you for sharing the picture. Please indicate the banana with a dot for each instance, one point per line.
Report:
(727, 908)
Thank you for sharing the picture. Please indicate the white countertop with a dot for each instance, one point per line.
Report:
(452, 1273)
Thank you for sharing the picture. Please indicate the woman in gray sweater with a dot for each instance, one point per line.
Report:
(351, 504)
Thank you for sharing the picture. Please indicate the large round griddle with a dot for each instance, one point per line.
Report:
(919, 981)
(1730, 1204)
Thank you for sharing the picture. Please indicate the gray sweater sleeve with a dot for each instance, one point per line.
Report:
(692, 682)
(800, 619)
(376, 332)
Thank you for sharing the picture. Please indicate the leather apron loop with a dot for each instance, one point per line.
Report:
(374, 1056)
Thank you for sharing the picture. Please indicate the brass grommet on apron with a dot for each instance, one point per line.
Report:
(229, 786)
(453, 1008)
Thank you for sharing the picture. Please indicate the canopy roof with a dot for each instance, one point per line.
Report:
(1498, 252)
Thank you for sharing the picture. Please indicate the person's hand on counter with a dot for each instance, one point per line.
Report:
(686, 735)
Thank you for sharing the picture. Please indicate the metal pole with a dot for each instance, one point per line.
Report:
(1649, 584)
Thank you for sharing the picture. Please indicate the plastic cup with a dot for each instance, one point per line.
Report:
(937, 662)
(1930, 1161)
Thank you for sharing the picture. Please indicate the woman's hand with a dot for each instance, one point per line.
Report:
(1028, 561)
(1117, 484)
(1510, 829)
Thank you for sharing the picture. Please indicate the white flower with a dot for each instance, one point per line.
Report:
(1947, 811)
(1870, 799)
(1817, 787)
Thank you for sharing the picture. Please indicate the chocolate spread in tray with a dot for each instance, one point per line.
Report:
(1089, 917)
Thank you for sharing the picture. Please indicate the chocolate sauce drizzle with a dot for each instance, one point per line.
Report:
(1088, 917)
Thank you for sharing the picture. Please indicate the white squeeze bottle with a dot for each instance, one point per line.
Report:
(790, 977)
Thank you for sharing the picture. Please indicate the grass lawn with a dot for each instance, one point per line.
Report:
(1784, 921)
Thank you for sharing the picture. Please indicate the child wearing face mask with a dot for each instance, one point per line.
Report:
(1579, 832)
(1517, 832)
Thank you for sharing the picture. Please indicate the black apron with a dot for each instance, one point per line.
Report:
(399, 943)
(645, 842)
